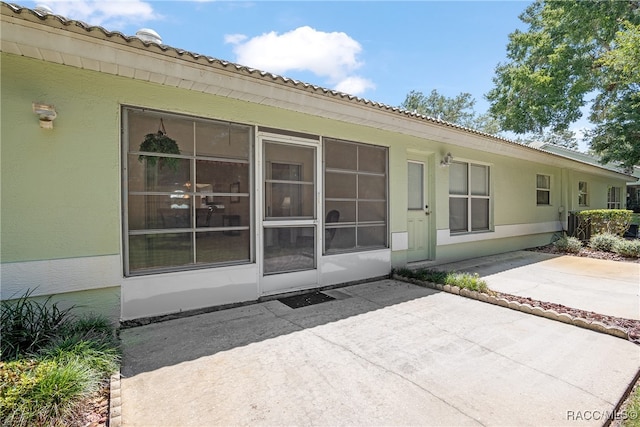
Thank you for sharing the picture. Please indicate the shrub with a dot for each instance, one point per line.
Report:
(568, 244)
(469, 281)
(473, 282)
(43, 392)
(627, 248)
(100, 357)
(29, 325)
(56, 361)
(603, 242)
(425, 274)
(614, 221)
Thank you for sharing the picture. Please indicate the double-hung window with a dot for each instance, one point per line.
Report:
(469, 197)
(583, 194)
(186, 192)
(613, 198)
(543, 190)
(355, 203)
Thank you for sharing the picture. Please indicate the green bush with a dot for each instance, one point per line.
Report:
(29, 325)
(469, 281)
(473, 282)
(627, 248)
(603, 242)
(614, 221)
(54, 361)
(568, 244)
(99, 357)
(43, 392)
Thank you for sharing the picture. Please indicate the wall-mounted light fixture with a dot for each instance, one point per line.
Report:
(446, 160)
(46, 114)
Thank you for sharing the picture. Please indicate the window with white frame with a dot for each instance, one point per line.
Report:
(583, 194)
(469, 197)
(613, 198)
(543, 190)
(186, 192)
(355, 196)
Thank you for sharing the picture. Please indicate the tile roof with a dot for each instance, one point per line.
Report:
(116, 36)
(134, 41)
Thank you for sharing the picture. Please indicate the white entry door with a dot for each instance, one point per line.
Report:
(417, 212)
(289, 241)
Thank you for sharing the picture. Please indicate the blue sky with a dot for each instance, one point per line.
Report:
(376, 50)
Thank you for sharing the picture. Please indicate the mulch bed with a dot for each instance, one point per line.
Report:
(94, 412)
(586, 253)
(630, 325)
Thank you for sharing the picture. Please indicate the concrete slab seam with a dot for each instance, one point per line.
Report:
(524, 308)
(497, 301)
(397, 374)
(115, 401)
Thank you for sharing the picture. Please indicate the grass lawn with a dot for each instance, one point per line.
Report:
(632, 410)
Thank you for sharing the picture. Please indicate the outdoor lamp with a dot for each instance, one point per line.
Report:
(46, 114)
(446, 160)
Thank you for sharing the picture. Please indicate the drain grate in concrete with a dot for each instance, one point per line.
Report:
(305, 300)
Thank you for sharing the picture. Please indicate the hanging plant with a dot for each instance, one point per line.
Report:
(159, 142)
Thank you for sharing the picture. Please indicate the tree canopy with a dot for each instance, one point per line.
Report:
(458, 110)
(564, 138)
(575, 54)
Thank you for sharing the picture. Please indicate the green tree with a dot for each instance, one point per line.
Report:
(574, 54)
(617, 110)
(564, 138)
(458, 110)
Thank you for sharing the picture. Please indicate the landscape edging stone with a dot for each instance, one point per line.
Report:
(115, 401)
(524, 308)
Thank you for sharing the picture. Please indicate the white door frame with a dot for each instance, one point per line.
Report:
(289, 281)
(425, 210)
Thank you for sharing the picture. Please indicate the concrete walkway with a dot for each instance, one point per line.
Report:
(602, 286)
(382, 353)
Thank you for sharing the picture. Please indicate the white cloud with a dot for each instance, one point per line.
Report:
(234, 38)
(354, 85)
(110, 14)
(332, 56)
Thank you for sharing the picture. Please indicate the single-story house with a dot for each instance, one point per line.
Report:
(615, 200)
(140, 180)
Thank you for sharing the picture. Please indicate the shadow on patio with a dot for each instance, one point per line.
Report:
(150, 347)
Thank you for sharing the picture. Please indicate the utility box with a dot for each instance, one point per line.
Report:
(578, 228)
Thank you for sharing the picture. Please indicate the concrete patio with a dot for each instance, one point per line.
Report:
(382, 353)
(602, 286)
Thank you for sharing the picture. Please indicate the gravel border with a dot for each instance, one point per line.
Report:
(593, 325)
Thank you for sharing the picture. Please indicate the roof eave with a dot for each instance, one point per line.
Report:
(237, 81)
